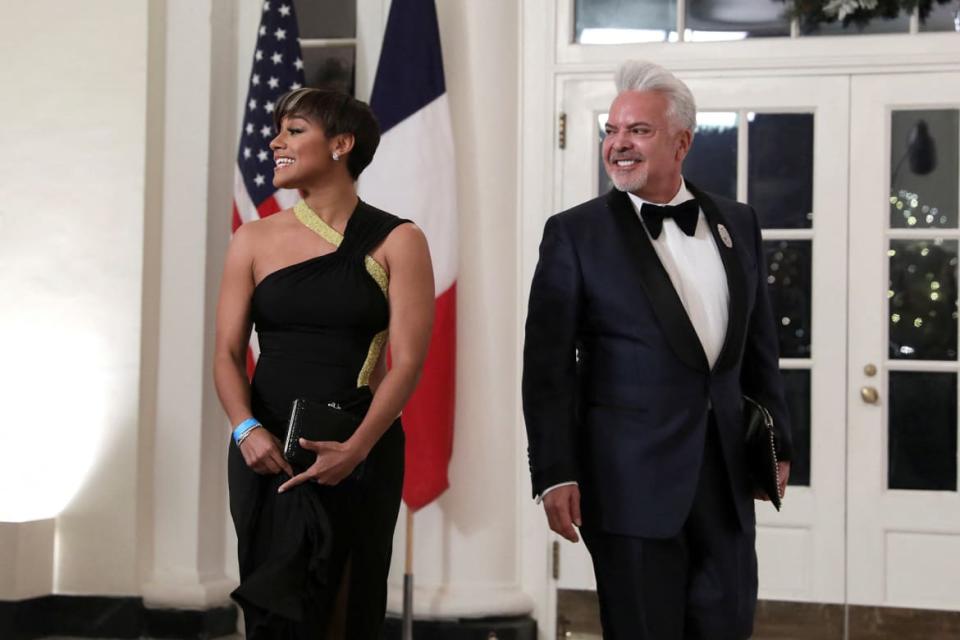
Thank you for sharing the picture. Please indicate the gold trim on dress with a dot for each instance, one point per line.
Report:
(315, 223)
(378, 273)
(373, 357)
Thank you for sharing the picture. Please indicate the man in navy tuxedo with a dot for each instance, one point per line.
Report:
(647, 325)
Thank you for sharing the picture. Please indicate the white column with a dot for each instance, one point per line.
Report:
(70, 255)
(467, 543)
(538, 112)
(185, 564)
(26, 559)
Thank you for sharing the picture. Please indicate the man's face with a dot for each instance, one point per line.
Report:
(643, 148)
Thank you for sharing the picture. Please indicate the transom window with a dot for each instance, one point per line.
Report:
(638, 21)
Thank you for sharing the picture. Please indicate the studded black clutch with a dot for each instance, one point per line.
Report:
(761, 442)
(335, 420)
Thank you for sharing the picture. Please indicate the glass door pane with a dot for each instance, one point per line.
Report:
(904, 509)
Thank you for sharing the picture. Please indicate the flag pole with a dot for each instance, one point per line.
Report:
(408, 581)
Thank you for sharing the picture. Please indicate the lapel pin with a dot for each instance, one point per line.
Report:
(725, 236)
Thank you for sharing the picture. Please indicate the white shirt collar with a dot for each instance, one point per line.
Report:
(683, 194)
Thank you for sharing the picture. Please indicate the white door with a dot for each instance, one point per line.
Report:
(757, 139)
(904, 509)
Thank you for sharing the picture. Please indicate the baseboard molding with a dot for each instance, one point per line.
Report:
(778, 620)
(109, 617)
(513, 628)
(579, 612)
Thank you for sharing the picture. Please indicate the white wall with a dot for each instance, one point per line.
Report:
(71, 224)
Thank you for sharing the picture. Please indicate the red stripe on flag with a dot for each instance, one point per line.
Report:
(268, 207)
(428, 416)
(237, 221)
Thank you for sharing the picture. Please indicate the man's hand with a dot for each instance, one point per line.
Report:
(562, 506)
(261, 451)
(784, 468)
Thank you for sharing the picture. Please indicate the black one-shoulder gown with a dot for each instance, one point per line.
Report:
(322, 326)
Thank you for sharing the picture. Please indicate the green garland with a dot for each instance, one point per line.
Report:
(812, 13)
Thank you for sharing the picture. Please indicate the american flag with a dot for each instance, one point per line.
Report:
(277, 69)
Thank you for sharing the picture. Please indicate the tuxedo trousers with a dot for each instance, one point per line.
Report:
(699, 584)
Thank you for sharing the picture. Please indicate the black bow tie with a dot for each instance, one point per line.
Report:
(686, 214)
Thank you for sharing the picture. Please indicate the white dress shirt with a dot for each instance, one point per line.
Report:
(696, 271)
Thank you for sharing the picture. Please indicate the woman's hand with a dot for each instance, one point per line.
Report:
(335, 461)
(262, 453)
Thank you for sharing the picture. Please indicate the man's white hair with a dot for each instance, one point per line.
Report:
(640, 75)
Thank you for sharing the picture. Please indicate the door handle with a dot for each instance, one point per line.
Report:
(870, 395)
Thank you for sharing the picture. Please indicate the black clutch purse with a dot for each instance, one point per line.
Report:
(761, 442)
(336, 420)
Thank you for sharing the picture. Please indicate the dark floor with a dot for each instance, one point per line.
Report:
(579, 619)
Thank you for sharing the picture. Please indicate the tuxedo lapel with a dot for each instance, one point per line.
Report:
(736, 278)
(666, 304)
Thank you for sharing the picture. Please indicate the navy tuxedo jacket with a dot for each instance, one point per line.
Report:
(616, 386)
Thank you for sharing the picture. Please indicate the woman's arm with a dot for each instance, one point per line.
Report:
(260, 449)
(411, 297)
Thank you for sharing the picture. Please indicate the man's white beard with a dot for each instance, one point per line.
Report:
(632, 184)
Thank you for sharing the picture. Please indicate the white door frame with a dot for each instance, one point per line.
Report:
(907, 542)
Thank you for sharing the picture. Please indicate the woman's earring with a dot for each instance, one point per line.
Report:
(335, 156)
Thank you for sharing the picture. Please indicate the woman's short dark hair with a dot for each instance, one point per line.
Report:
(337, 113)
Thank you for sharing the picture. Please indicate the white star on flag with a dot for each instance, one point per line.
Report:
(262, 155)
(265, 131)
(263, 31)
(273, 82)
(298, 63)
(258, 55)
(284, 10)
(266, 6)
(252, 103)
(258, 179)
(269, 107)
(255, 79)
(280, 34)
(246, 152)
(277, 58)
(249, 128)
(295, 85)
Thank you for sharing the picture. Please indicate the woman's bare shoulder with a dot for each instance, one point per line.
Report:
(406, 236)
(405, 247)
(264, 230)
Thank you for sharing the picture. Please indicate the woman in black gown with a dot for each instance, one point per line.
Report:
(324, 284)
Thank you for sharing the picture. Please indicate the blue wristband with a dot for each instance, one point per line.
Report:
(243, 427)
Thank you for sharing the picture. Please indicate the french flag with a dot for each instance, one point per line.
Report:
(413, 176)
